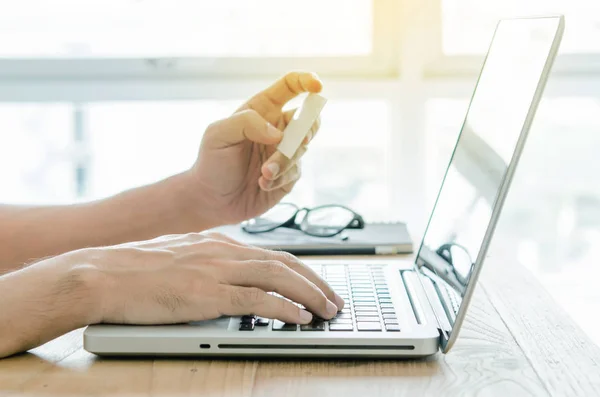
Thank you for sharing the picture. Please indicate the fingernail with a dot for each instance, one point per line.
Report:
(273, 168)
(338, 301)
(305, 316)
(273, 131)
(331, 309)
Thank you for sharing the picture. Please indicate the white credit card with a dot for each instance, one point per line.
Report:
(300, 125)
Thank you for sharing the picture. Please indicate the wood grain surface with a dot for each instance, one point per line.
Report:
(516, 342)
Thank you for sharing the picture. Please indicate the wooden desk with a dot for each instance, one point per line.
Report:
(516, 342)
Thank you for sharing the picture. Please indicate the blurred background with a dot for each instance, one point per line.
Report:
(100, 96)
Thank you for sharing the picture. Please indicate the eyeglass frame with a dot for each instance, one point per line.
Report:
(357, 221)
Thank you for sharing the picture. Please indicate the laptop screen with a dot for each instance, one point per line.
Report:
(454, 241)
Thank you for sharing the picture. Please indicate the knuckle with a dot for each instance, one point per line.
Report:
(286, 257)
(283, 305)
(264, 254)
(250, 116)
(192, 236)
(236, 299)
(319, 299)
(276, 268)
(246, 297)
(293, 75)
(214, 128)
(213, 243)
(270, 268)
(216, 236)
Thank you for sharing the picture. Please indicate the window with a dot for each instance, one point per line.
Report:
(36, 154)
(184, 28)
(153, 38)
(468, 24)
(135, 143)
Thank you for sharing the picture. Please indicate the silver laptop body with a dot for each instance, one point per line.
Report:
(397, 308)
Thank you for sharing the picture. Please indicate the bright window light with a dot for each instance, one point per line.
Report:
(468, 25)
(184, 28)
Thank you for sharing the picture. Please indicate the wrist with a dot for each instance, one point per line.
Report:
(194, 206)
(86, 284)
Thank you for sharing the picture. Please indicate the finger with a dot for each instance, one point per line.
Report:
(290, 86)
(275, 276)
(301, 268)
(278, 165)
(238, 301)
(287, 117)
(295, 161)
(290, 177)
(246, 253)
(244, 125)
(284, 190)
(313, 131)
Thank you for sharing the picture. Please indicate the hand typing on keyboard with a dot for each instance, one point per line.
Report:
(367, 299)
(183, 278)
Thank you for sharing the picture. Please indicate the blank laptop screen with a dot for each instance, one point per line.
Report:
(504, 94)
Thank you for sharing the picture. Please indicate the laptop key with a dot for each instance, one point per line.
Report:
(247, 326)
(368, 326)
(366, 300)
(341, 327)
(363, 295)
(367, 319)
(391, 316)
(281, 326)
(366, 313)
(315, 325)
(390, 321)
(343, 316)
(365, 304)
(340, 321)
(261, 322)
(248, 319)
(392, 328)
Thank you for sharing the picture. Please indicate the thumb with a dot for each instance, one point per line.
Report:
(241, 126)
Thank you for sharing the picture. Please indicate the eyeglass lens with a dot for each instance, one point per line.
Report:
(327, 220)
(273, 218)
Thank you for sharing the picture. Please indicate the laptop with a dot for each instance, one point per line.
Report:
(395, 307)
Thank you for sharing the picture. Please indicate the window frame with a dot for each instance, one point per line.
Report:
(381, 62)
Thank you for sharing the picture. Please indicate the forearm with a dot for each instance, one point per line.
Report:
(31, 233)
(46, 300)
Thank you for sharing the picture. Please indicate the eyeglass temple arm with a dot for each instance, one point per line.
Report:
(357, 223)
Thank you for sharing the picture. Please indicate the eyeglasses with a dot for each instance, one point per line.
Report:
(323, 221)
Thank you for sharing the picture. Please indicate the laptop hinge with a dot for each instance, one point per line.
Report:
(444, 325)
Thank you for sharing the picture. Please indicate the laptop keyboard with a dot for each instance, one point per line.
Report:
(368, 303)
